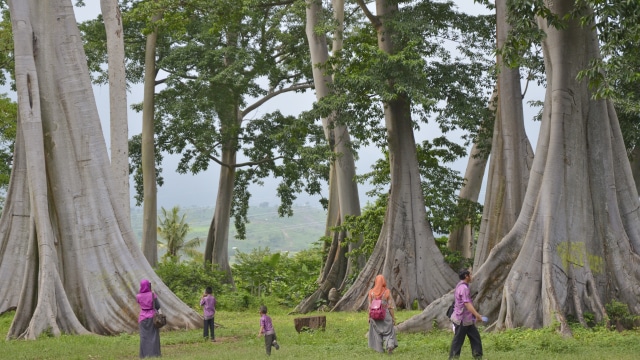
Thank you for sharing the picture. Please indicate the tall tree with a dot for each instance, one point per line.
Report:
(343, 190)
(511, 152)
(119, 126)
(61, 233)
(211, 92)
(575, 245)
(208, 110)
(148, 158)
(415, 269)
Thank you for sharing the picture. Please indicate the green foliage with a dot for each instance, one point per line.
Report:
(287, 278)
(215, 58)
(6, 47)
(619, 315)
(189, 279)
(174, 229)
(453, 258)
(368, 224)
(8, 122)
(8, 108)
(450, 86)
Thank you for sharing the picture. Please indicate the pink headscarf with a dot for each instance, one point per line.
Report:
(145, 300)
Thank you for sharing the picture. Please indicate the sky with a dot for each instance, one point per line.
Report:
(187, 190)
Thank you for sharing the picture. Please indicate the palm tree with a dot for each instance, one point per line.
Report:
(173, 230)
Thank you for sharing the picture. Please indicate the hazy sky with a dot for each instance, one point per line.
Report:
(200, 190)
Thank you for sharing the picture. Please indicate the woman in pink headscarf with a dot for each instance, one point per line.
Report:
(149, 335)
(382, 333)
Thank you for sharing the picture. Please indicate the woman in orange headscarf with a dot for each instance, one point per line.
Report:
(382, 333)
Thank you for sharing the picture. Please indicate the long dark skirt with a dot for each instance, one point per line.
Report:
(149, 339)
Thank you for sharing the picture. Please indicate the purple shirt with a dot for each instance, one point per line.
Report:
(460, 314)
(266, 324)
(209, 304)
(145, 300)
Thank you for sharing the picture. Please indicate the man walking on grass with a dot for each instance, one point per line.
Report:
(464, 319)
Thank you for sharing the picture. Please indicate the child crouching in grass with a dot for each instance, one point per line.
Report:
(266, 329)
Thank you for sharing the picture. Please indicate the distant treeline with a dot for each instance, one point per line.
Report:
(265, 227)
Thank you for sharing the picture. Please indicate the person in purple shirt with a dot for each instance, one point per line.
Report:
(464, 319)
(266, 329)
(208, 303)
(149, 334)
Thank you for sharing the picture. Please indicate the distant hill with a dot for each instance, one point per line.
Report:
(265, 227)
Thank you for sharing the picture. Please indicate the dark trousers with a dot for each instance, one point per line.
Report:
(268, 342)
(460, 333)
(208, 325)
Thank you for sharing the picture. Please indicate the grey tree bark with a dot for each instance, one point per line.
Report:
(575, 245)
(119, 126)
(343, 188)
(77, 268)
(217, 245)
(635, 166)
(150, 193)
(511, 153)
(406, 252)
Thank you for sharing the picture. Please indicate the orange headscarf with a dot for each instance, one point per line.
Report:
(379, 287)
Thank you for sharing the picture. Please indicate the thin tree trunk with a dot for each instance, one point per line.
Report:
(80, 265)
(511, 154)
(217, 247)
(406, 252)
(117, 103)
(150, 194)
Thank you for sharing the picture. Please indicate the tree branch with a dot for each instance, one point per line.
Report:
(219, 162)
(272, 94)
(374, 19)
(285, 2)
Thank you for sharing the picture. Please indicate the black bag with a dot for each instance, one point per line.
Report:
(450, 308)
(453, 304)
(159, 319)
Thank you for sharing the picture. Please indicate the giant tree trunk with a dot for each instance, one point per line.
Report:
(77, 268)
(406, 252)
(119, 133)
(511, 154)
(342, 183)
(150, 194)
(575, 245)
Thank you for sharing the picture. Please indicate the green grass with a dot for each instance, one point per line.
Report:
(344, 338)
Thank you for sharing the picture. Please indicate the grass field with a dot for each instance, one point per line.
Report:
(344, 338)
